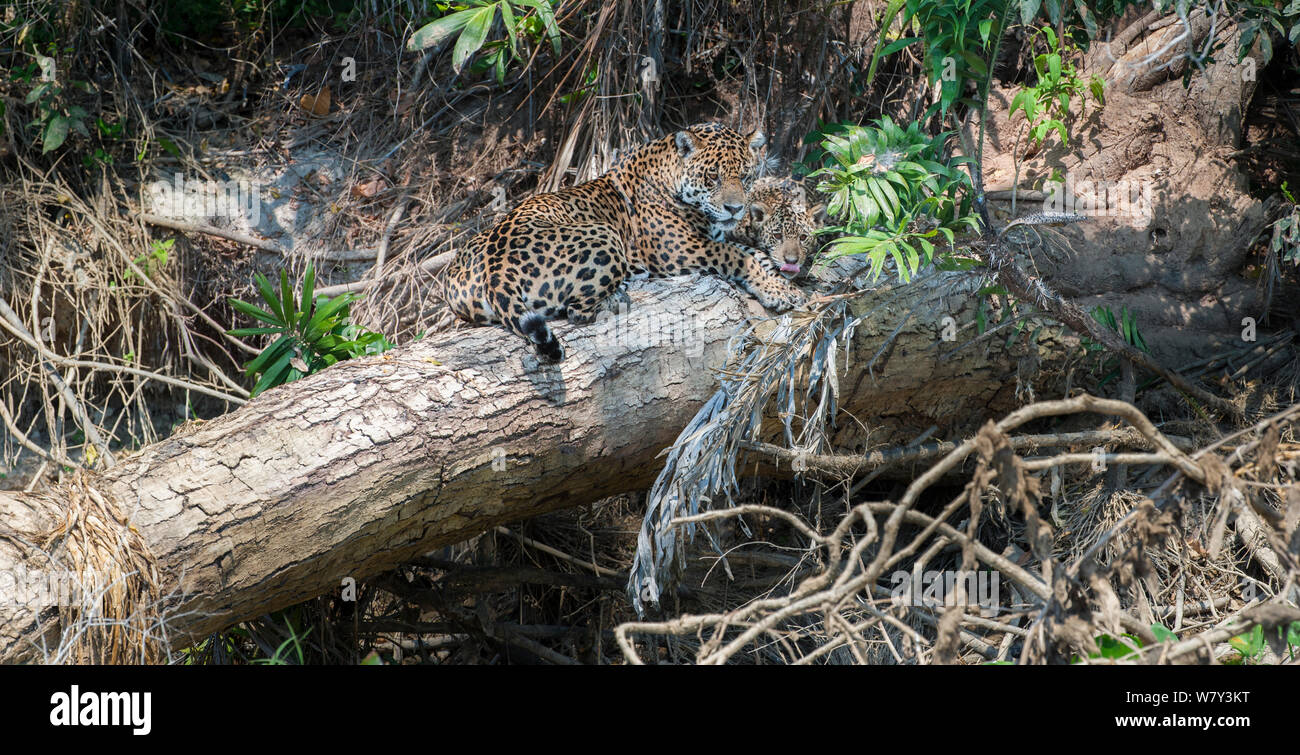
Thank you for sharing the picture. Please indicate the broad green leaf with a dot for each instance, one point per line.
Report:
(287, 302)
(274, 374)
(886, 20)
(552, 28)
(897, 45)
(471, 38)
(1089, 20)
(891, 198)
(1060, 130)
(56, 132)
(256, 313)
(435, 32)
(269, 355)
(508, 19)
(37, 92)
(1162, 633)
(308, 290)
(242, 332)
(268, 295)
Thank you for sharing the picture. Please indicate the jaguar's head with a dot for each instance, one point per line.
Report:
(719, 168)
(781, 223)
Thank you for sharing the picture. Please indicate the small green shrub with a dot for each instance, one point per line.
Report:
(314, 332)
(1251, 645)
(1046, 104)
(1285, 243)
(1127, 327)
(955, 36)
(892, 191)
(55, 116)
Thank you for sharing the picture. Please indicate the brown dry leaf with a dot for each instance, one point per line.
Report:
(369, 188)
(1267, 454)
(318, 105)
(1108, 612)
(1291, 523)
(1215, 472)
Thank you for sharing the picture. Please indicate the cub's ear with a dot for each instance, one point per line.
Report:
(685, 144)
(757, 140)
(818, 213)
(757, 212)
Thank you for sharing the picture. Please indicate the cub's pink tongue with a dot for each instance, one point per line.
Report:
(789, 268)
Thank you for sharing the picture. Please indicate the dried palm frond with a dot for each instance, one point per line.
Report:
(795, 366)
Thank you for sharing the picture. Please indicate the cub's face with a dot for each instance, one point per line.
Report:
(719, 167)
(782, 224)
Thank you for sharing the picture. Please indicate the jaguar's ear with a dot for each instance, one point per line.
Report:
(818, 212)
(757, 212)
(685, 144)
(756, 140)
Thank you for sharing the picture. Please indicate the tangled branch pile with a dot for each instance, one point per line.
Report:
(1222, 525)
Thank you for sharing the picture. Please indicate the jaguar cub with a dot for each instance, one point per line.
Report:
(779, 225)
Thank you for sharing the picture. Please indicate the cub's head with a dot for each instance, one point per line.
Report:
(719, 167)
(781, 223)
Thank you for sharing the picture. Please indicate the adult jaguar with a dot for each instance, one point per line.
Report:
(563, 254)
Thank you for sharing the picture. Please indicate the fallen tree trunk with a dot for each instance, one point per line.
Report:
(350, 471)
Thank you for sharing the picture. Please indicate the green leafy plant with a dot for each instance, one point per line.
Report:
(1116, 649)
(1046, 104)
(1251, 645)
(55, 117)
(471, 20)
(893, 192)
(1285, 242)
(1127, 327)
(1126, 645)
(314, 332)
(1260, 18)
(154, 260)
(588, 86)
(196, 654)
(100, 156)
(278, 657)
(1091, 15)
(1010, 310)
(1125, 324)
(954, 36)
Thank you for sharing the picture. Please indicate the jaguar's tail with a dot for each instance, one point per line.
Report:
(534, 327)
